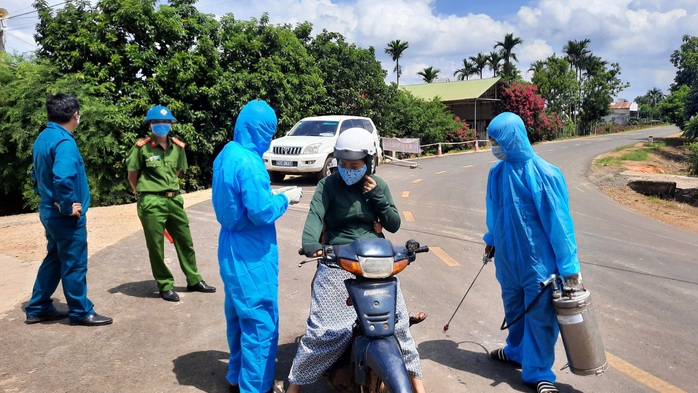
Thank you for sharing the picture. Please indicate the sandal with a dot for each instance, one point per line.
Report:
(417, 317)
(546, 387)
(499, 355)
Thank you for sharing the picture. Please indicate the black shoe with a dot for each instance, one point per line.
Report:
(93, 320)
(201, 286)
(170, 296)
(47, 316)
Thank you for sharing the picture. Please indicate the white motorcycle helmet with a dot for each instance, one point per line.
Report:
(355, 144)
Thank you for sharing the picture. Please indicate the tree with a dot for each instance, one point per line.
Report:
(556, 83)
(131, 55)
(465, 72)
(494, 63)
(412, 117)
(577, 53)
(395, 49)
(507, 51)
(429, 74)
(524, 100)
(685, 59)
(649, 103)
(480, 62)
(600, 85)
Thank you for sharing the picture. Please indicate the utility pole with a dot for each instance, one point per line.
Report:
(4, 14)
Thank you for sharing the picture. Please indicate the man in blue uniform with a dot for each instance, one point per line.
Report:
(248, 255)
(61, 182)
(530, 226)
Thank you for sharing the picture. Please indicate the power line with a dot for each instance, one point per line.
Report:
(35, 11)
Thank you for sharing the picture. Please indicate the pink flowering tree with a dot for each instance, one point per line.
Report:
(524, 100)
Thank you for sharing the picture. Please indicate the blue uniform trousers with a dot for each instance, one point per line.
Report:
(66, 260)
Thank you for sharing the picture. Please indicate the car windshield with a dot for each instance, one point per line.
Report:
(314, 128)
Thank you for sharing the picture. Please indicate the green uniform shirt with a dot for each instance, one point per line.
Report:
(347, 212)
(158, 167)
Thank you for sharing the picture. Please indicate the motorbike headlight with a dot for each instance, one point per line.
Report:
(376, 267)
(312, 148)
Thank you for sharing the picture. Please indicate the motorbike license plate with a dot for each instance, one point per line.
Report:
(284, 163)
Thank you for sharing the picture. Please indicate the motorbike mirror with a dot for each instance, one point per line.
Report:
(412, 246)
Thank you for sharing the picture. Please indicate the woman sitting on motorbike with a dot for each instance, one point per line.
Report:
(348, 203)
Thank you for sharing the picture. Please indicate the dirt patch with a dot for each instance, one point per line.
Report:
(668, 164)
(23, 245)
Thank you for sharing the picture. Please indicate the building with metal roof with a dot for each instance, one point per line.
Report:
(473, 101)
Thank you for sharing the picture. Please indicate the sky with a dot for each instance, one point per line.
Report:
(639, 35)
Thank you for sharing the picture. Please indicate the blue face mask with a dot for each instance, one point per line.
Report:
(498, 152)
(161, 129)
(352, 176)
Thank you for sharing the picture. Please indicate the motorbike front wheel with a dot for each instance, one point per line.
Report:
(375, 385)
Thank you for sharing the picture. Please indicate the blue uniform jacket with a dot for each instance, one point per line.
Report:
(59, 172)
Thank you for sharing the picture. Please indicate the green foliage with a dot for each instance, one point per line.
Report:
(558, 85)
(690, 131)
(693, 158)
(673, 108)
(408, 116)
(120, 57)
(429, 74)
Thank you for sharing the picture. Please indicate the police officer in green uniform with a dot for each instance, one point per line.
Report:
(154, 165)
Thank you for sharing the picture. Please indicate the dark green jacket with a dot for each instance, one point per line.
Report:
(347, 212)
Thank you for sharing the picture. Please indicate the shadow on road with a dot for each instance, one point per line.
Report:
(204, 370)
(478, 361)
(145, 288)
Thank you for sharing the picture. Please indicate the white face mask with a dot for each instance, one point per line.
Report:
(498, 152)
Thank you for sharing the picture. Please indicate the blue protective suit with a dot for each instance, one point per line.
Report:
(529, 223)
(59, 177)
(247, 248)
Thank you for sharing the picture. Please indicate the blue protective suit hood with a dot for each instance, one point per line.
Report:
(255, 126)
(510, 132)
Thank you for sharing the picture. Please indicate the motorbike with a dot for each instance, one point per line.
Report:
(373, 361)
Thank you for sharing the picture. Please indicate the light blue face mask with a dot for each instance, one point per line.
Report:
(352, 176)
(498, 152)
(161, 129)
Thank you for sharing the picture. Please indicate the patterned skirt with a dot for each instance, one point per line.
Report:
(329, 329)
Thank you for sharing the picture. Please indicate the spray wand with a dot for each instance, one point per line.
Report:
(487, 257)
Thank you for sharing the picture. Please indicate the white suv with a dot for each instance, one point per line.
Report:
(308, 148)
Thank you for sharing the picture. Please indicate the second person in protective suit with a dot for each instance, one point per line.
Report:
(248, 256)
(530, 227)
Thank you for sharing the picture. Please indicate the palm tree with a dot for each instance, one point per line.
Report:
(655, 96)
(465, 72)
(494, 63)
(480, 62)
(506, 50)
(395, 49)
(429, 74)
(577, 53)
(538, 65)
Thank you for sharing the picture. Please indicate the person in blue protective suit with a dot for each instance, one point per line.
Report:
(247, 208)
(530, 226)
(61, 183)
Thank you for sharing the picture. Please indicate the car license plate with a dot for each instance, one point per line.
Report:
(284, 163)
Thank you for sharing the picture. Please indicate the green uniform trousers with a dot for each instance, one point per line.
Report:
(158, 213)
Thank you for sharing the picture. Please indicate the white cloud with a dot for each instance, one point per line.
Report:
(640, 35)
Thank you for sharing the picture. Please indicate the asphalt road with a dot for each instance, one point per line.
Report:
(642, 275)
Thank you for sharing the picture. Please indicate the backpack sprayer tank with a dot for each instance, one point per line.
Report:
(580, 334)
